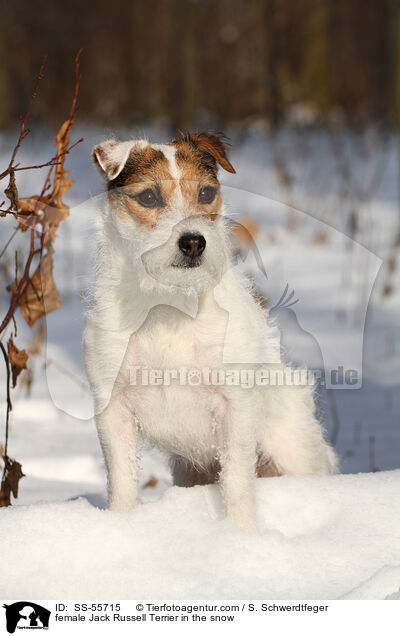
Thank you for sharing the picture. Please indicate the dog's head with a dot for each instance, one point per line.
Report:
(166, 204)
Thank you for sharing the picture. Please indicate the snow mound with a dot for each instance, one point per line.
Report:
(320, 538)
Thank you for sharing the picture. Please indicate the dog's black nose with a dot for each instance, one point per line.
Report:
(192, 245)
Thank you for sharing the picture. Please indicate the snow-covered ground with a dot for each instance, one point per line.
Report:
(321, 537)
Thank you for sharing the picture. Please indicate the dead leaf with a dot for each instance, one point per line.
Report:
(10, 481)
(61, 183)
(36, 345)
(40, 295)
(52, 218)
(11, 191)
(28, 205)
(18, 359)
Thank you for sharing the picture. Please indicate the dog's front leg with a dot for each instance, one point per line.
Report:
(118, 437)
(238, 461)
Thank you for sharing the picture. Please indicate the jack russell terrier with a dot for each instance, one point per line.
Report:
(166, 298)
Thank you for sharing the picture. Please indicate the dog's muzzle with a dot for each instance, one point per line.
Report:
(191, 247)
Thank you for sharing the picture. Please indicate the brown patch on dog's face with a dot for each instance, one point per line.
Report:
(199, 184)
(143, 187)
(197, 157)
(148, 185)
(197, 162)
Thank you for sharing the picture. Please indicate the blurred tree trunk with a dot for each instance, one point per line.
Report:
(4, 86)
(261, 45)
(274, 93)
(388, 62)
(396, 77)
(315, 77)
(184, 71)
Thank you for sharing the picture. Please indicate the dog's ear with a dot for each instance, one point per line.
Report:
(215, 147)
(111, 157)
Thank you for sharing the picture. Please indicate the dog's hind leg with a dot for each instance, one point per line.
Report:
(295, 445)
(118, 437)
(266, 467)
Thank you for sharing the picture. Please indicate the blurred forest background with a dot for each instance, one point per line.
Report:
(205, 63)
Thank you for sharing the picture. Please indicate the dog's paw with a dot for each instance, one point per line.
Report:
(117, 504)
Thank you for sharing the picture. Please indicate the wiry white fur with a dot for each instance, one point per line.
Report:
(146, 313)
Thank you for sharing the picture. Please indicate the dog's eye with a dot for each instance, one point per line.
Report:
(207, 194)
(147, 198)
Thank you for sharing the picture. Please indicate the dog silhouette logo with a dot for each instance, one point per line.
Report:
(26, 615)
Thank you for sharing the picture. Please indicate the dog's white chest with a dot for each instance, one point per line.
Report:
(172, 410)
(170, 338)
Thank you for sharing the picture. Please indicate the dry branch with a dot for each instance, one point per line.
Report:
(35, 294)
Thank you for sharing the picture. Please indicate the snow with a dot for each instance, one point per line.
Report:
(331, 537)
(320, 538)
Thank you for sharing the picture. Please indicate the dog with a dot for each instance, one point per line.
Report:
(166, 298)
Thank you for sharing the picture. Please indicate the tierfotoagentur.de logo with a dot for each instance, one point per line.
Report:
(26, 615)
